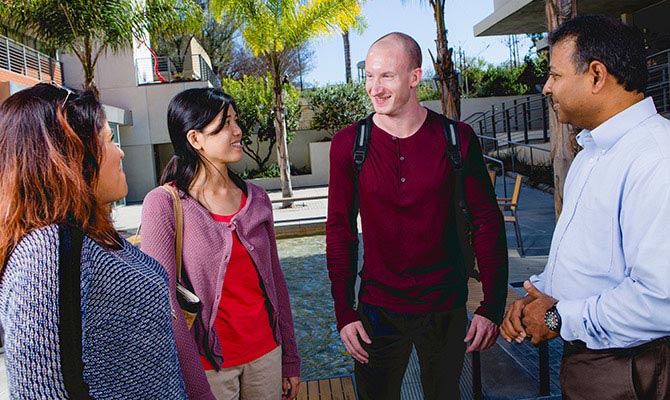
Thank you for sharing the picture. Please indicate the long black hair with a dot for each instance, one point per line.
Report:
(192, 109)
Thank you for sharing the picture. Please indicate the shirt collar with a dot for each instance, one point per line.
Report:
(610, 131)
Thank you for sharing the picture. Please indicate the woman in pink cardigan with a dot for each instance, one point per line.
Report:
(242, 345)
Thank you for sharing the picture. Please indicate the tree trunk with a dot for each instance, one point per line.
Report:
(88, 66)
(450, 96)
(280, 132)
(347, 56)
(563, 144)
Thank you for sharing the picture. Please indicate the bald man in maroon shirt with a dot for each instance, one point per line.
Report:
(412, 290)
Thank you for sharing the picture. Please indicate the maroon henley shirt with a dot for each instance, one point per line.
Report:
(406, 188)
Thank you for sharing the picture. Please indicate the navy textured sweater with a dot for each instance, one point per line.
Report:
(128, 345)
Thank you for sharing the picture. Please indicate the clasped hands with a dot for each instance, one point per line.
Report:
(525, 318)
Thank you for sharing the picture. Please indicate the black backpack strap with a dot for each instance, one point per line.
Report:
(361, 145)
(69, 301)
(463, 217)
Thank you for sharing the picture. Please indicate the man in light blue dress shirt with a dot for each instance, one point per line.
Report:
(606, 287)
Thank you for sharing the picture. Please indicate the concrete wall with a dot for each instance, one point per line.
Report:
(116, 79)
(471, 106)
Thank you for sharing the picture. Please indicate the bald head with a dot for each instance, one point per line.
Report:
(410, 48)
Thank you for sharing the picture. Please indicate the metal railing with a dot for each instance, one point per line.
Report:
(658, 86)
(174, 69)
(26, 61)
(525, 119)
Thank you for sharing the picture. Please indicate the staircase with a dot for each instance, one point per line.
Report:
(526, 121)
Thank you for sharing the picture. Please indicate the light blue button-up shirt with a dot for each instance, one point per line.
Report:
(609, 263)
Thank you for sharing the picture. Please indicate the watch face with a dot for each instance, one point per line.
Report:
(552, 319)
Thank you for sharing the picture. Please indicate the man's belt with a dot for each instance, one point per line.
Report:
(573, 346)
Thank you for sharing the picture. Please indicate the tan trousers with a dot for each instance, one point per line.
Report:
(259, 379)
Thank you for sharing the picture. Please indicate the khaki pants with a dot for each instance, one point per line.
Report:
(258, 379)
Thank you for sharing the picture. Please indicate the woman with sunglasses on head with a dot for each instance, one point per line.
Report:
(243, 336)
(59, 171)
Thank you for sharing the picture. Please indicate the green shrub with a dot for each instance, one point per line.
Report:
(338, 106)
(426, 91)
(255, 102)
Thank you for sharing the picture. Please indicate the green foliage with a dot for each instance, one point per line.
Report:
(484, 79)
(426, 91)
(255, 101)
(338, 106)
(88, 28)
(271, 26)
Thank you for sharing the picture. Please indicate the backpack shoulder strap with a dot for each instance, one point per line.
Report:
(463, 216)
(450, 130)
(362, 142)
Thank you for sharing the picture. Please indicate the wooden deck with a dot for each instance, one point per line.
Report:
(341, 388)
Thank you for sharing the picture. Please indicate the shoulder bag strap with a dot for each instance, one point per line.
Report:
(178, 226)
(69, 311)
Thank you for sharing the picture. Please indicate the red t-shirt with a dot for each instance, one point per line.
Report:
(242, 320)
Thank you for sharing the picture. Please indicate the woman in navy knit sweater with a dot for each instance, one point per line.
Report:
(59, 167)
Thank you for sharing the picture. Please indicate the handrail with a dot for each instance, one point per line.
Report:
(174, 69)
(23, 60)
(475, 114)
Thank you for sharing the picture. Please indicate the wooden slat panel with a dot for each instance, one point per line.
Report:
(336, 389)
(313, 390)
(348, 385)
(324, 389)
(328, 389)
(302, 393)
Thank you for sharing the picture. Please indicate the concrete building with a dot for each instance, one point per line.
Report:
(139, 87)
(528, 16)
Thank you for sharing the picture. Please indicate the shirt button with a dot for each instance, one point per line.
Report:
(402, 180)
(402, 158)
(251, 248)
(606, 342)
(591, 160)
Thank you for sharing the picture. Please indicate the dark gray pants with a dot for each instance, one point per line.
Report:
(438, 338)
(642, 372)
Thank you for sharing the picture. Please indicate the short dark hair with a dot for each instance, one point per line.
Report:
(618, 46)
(411, 46)
(191, 109)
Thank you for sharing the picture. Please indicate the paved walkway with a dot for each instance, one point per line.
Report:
(508, 371)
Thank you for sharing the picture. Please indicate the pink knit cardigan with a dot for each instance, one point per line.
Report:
(206, 251)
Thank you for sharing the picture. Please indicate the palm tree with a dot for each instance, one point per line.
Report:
(360, 26)
(563, 144)
(450, 95)
(270, 26)
(88, 28)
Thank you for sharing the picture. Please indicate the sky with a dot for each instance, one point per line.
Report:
(414, 18)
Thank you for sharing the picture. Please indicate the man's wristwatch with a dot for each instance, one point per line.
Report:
(553, 319)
